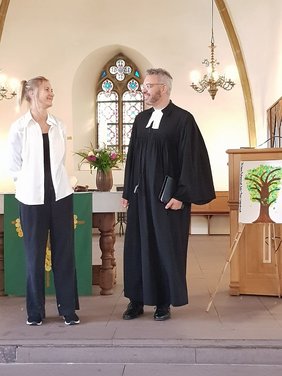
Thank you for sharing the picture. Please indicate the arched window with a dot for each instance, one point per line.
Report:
(119, 100)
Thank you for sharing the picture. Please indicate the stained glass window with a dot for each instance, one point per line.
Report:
(119, 100)
(107, 86)
(108, 132)
(132, 104)
(120, 70)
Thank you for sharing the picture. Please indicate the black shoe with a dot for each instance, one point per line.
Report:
(133, 311)
(162, 313)
(34, 320)
(71, 319)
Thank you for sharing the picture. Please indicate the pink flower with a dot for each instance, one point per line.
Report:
(91, 158)
(113, 156)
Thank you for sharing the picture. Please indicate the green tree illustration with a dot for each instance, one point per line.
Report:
(263, 184)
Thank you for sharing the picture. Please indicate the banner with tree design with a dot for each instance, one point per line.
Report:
(260, 192)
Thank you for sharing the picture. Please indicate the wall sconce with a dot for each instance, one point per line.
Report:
(8, 87)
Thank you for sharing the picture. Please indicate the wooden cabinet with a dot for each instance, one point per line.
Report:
(218, 206)
(253, 268)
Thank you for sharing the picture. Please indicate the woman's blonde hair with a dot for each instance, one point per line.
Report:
(26, 86)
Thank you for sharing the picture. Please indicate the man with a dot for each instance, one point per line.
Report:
(165, 141)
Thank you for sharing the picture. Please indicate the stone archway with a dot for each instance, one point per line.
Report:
(4, 4)
(238, 55)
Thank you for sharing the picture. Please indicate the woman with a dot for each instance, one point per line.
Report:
(37, 155)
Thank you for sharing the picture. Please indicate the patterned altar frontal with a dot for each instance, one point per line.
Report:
(14, 258)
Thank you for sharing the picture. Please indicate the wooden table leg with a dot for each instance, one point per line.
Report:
(105, 222)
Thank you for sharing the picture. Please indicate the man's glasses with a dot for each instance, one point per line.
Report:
(148, 86)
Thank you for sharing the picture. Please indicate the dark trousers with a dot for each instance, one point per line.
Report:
(36, 221)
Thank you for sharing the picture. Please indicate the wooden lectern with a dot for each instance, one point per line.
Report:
(254, 268)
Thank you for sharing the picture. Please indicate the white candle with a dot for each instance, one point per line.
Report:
(14, 84)
(3, 79)
(195, 76)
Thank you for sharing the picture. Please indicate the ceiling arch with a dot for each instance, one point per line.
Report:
(4, 4)
(241, 69)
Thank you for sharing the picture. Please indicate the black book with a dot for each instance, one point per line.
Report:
(168, 189)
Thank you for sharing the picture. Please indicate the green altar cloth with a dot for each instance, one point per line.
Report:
(14, 257)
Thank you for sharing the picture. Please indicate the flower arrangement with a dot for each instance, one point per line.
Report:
(102, 159)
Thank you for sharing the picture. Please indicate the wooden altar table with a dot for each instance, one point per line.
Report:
(104, 207)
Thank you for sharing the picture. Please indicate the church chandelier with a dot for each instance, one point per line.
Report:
(212, 80)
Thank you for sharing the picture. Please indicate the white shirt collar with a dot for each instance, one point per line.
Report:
(28, 117)
(155, 119)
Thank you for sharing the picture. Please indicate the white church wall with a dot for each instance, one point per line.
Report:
(70, 47)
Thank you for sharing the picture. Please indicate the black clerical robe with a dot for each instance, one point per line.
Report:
(156, 239)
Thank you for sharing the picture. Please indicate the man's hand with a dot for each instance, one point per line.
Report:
(124, 202)
(174, 204)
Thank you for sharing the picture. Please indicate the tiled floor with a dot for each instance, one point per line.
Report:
(232, 331)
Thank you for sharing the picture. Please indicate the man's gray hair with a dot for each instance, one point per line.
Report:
(166, 77)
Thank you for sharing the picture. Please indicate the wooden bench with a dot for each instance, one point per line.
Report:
(218, 206)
